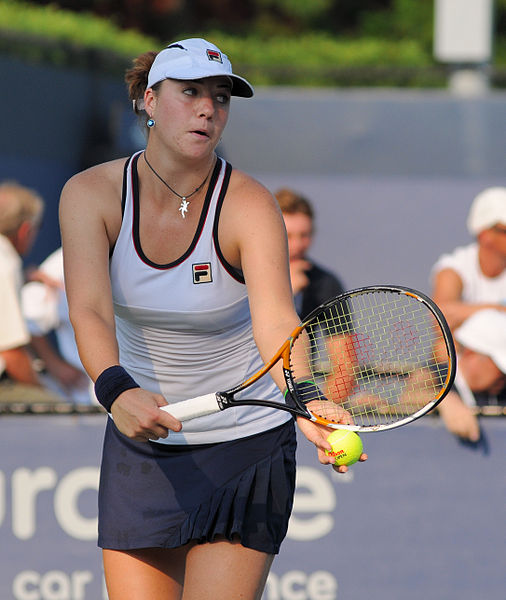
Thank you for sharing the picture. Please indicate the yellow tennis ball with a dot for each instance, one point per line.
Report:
(346, 447)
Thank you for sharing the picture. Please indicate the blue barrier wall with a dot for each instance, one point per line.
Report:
(422, 519)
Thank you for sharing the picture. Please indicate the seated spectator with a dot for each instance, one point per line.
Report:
(470, 279)
(481, 372)
(20, 214)
(45, 309)
(311, 284)
(473, 277)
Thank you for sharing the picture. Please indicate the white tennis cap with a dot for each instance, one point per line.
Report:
(485, 332)
(488, 209)
(195, 58)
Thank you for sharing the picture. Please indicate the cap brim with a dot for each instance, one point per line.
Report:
(241, 87)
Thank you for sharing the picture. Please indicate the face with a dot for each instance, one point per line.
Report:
(480, 372)
(494, 238)
(190, 116)
(299, 228)
(499, 233)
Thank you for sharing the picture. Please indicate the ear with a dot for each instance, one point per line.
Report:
(149, 102)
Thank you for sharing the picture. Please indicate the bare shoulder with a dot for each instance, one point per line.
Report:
(244, 184)
(251, 223)
(249, 198)
(91, 200)
(97, 185)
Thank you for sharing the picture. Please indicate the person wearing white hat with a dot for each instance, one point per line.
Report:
(473, 277)
(470, 279)
(176, 270)
(481, 371)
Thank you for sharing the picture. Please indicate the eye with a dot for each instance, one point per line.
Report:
(190, 91)
(223, 98)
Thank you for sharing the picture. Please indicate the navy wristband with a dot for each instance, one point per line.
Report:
(111, 383)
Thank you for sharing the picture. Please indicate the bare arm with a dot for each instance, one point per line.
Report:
(67, 375)
(86, 211)
(90, 219)
(18, 366)
(257, 228)
(343, 359)
(253, 238)
(447, 294)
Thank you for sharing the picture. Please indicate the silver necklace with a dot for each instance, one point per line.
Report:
(183, 207)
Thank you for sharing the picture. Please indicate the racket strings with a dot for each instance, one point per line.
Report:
(372, 355)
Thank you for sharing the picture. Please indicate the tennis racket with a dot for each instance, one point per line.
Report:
(364, 360)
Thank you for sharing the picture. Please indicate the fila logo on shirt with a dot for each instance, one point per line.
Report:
(202, 273)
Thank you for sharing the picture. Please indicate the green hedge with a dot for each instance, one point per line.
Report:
(50, 35)
(316, 59)
(81, 29)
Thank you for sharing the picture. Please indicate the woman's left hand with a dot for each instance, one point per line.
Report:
(317, 434)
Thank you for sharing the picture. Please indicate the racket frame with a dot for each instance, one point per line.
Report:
(447, 336)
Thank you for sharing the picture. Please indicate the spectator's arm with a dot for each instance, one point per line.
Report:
(447, 294)
(18, 366)
(68, 375)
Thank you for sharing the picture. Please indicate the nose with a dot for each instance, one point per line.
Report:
(206, 106)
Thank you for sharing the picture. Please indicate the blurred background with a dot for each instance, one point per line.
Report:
(389, 115)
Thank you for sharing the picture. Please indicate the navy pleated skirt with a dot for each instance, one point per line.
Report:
(155, 495)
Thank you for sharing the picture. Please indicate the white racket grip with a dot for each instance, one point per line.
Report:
(199, 406)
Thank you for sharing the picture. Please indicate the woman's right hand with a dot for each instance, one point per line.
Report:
(136, 413)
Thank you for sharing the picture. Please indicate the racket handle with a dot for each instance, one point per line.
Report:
(200, 406)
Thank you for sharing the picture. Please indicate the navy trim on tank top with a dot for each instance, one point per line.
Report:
(124, 187)
(231, 270)
(123, 199)
(200, 226)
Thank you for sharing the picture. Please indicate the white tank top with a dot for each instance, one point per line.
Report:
(184, 328)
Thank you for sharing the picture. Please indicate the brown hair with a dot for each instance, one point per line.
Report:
(136, 78)
(292, 203)
(18, 204)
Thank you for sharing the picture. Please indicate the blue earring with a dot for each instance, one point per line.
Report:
(150, 123)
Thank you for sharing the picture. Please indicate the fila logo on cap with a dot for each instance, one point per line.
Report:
(202, 273)
(214, 55)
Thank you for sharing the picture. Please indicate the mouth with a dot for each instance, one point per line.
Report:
(201, 133)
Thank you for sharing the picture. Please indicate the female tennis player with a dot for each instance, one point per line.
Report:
(177, 279)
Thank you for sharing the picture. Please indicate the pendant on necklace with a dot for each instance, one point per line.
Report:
(183, 208)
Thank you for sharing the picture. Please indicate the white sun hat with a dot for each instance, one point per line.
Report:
(488, 209)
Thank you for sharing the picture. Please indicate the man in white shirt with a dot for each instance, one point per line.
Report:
(473, 277)
(470, 279)
(20, 214)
